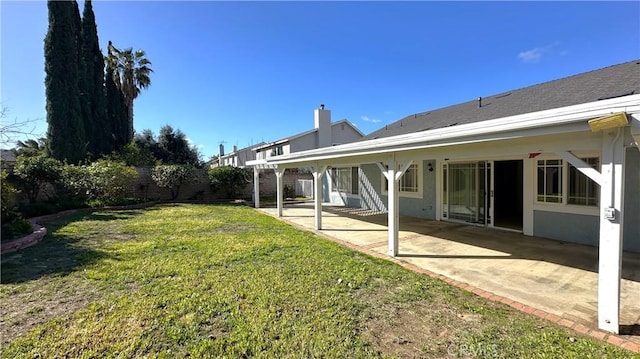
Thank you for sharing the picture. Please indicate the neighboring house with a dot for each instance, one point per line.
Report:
(559, 160)
(236, 158)
(7, 158)
(324, 134)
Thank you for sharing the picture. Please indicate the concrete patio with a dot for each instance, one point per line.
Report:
(557, 277)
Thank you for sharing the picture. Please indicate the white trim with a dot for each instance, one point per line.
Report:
(438, 173)
(528, 124)
(529, 187)
(335, 192)
(561, 206)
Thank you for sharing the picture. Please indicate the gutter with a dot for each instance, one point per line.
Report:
(547, 118)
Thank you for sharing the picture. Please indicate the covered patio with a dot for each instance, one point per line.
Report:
(557, 277)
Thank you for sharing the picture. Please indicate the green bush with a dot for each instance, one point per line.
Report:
(16, 228)
(12, 222)
(229, 180)
(289, 192)
(106, 180)
(6, 197)
(103, 182)
(173, 177)
(35, 172)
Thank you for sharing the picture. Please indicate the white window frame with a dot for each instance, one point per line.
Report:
(332, 181)
(409, 194)
(563, 206)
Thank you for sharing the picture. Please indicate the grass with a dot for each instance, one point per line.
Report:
(227, 281)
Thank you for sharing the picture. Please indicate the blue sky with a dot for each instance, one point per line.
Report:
(245, 72)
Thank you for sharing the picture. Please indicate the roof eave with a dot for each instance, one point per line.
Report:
(528, 121)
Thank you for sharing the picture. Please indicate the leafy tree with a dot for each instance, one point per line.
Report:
(171, 147)
(147, 141)
(134, 155)
(131, 73)
(173, 177)
(175, 148)
(66, 138)
(35, 172)
(231, 180)
(99, 141)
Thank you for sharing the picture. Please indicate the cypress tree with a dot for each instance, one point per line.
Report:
(94, 86)
(66, 138)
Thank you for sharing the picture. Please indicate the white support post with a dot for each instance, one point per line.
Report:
(611, 217)
(318, 172)
(256, 187)
(280, 189)
(393, 200)
(393, 205)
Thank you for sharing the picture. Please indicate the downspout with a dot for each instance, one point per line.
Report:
(613, 168)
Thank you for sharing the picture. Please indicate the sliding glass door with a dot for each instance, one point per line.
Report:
(465, 191)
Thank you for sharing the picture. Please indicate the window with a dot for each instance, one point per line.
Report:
(276, 151)
(550, 181)
(582, 190)
(409, 183)
(345, 179)
(409, 180)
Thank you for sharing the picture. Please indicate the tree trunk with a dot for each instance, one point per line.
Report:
(130, 118)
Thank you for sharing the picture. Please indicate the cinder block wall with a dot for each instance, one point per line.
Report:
(268, 185)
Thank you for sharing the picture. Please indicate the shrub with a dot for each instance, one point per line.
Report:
(173, 177)
(35, 172)
(12, 222)
(6, 197)
(289, 192)
(107, 181)
(16, 228)
(230, 180)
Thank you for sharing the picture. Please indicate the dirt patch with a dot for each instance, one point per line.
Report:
(24, 308)
(415, 330)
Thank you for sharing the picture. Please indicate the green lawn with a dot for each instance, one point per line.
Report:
(227, 281)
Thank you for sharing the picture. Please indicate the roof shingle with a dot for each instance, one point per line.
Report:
(609, 82)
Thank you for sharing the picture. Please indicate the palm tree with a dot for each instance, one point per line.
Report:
(131, 73)
(30, 147)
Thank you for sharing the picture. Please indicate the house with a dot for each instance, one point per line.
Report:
(237, 157)
(324, 134)
(559, 160)
(7, 158)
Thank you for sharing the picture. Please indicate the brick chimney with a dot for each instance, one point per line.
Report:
(322, 121)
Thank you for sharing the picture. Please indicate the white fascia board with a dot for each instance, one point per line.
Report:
(553, 119)
(260, 164)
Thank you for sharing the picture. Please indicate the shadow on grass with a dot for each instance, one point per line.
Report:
(60, 254)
